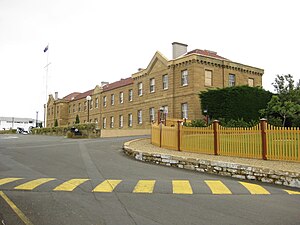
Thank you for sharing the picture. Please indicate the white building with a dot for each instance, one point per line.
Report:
(7, 123)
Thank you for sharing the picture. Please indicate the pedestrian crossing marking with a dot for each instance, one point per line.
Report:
(33, 184)
(8, 180)
(182, 187)
(217, 187)
(70, 185)
(292, 192)
(107, 186)
(255, 189)
(144, 186)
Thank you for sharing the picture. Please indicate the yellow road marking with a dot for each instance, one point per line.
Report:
(16, 209)
(33, 184)
(144, 186)
(182, 187)
(107, 186)
(292, 192)
(217, 187)
(8, 180)
(255, 189)
(70, 185)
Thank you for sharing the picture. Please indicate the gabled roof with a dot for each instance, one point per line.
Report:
(118, 84)
(71, 96)
(206, 53)
(84, 94)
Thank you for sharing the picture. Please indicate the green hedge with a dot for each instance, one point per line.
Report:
(11, 131)
(235, 103)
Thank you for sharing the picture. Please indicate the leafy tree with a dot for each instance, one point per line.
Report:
(77, 121)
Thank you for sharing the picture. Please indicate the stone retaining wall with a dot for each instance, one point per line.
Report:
(221, 168)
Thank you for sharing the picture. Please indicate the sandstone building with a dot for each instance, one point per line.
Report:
(173, 85)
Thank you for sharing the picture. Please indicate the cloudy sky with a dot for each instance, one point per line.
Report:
(92, 41)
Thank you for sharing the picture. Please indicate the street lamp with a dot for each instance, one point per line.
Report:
(88, 98)
(37, 117)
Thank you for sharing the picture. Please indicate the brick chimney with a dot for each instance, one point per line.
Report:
(179, 49)
(56, 95)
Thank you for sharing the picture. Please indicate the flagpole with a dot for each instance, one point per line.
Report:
(46, 79)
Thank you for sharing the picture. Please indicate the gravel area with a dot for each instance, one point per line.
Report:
(144, 145)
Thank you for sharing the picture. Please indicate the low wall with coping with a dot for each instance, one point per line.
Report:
(234, 170)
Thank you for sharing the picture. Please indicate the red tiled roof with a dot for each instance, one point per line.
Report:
(84, 94)
(206, 53)
(117, 84)
(71, 96)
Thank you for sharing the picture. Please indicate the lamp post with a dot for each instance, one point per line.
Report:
(205, 112)
(88, 98)
(37, 117)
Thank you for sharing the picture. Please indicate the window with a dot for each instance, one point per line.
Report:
(130, 93)
(69, 109)
(165, 109)
(111, 122)
(104, 122)
(74, 108)
(231, 80)
(112, 101)
(104, 101)
(184, 78)
(140, 89)
(152, 85)
(52, 110)
(95, 120)
(130, 120)
(208, 78)
(121, 96)
(152, 114)
(184, 110)
(57, 109)
(96, 103)
(165, 80)
(121, 121)
(85, 105)
(79, 107)
(91, 104)
(139, 117)
(250, 82)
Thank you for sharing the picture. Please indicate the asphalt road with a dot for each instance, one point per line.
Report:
(93, 182)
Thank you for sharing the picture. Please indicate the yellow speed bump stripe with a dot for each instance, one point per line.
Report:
(292, 192)
(8, 180)
(255, 189)
(70, 185)
(33, 184)
(107, 186)
(20, 214)
(144, 186)
(182, 187)
(217, 187)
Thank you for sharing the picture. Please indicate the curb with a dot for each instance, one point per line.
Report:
(243, 172)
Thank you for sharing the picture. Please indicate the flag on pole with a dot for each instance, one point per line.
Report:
(46, 49)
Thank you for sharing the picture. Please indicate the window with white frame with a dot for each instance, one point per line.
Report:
(91, 104)
(231, 80)
(152, 114)
(120, 121)
(69, 110)
(184, 77)
(79, 107)
(140, 89)
(165, 81)
(140, 116)
(208, 78)
(130, 95)
(74, 109)
(85, 105)
(96, 103)
(130, 120)
(104, 122)
(250, 82)
(104, 101)
(165, 109)
(121, 97)
(184, 110)
(112, 122)
(152, 85)
(112, 99)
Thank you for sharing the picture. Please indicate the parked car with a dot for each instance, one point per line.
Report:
(21, 130)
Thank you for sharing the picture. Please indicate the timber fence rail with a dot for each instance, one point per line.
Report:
(262, 141)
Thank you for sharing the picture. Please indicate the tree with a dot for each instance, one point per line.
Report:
(55, 123)
(77, 121)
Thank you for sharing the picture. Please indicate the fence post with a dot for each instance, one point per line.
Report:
(263, 126)
(160, 133)
(178, 134)
(216, 141)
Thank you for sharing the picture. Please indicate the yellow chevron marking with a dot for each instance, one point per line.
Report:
(107, 186)
(182, 187)
(217, 187)
(144, 186)
(8, 180)
(255, 189)
(70, 185)
(292, 192)
(33, 184)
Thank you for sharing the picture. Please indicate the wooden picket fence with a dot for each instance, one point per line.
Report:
(263, 141)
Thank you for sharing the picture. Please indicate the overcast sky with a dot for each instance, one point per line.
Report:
(92, 41)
